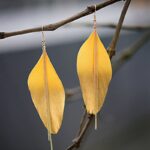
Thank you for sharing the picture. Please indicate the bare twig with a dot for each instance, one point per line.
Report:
(81, 123)
(109, 25)
(112, 46)
(128, 53)
(111, 52)
(71, 92)
(77, 140)
(54, 26)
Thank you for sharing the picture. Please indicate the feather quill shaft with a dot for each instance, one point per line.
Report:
(94, 72)
(47, 98)
(95, 75)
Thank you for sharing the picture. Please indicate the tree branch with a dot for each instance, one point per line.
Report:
(112, 46)
(51, 27)
(128, 53)
(78, 139)
(71, 92)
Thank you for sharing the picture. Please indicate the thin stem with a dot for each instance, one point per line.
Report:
(112, 46)
(82, 122)
(76, 143)
(129, 52)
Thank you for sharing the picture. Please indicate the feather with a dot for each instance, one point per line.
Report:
(47, 93)
(94, 72)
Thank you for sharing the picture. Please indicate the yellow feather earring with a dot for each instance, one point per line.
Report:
(94, 72)
(47, 93)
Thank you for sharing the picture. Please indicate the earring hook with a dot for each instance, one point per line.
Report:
(95, 9)
(43, 39)
(94, 18)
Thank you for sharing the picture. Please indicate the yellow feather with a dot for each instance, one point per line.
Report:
(94, 72)
(47, 93)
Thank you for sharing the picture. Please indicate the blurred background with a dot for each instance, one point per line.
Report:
(124, 121)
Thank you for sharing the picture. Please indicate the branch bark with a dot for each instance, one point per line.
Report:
(129, 52)
(112, 46)
(51, 27)
(78, 139)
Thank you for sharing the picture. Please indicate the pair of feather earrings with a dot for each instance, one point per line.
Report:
(47, 91)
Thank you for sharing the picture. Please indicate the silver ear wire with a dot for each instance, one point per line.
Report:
(94, 26)
(95, 8)
(43, 38)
